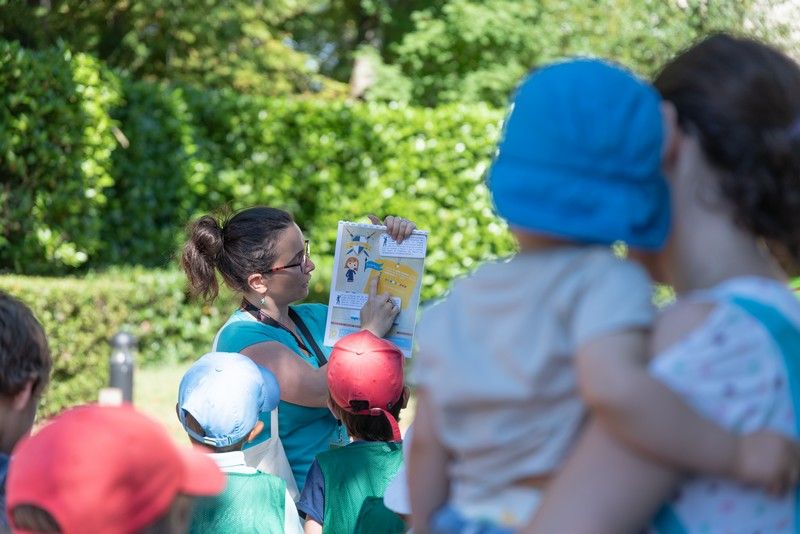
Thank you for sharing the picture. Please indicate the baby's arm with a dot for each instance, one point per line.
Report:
(427, 467)
(604, 487)
(648, 416)
(643, 412)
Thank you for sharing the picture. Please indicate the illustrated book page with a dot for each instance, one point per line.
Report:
(364, 252)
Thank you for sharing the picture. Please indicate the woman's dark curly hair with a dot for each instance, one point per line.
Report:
(742, 100)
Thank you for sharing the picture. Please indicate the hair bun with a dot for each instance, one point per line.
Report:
(206, 234)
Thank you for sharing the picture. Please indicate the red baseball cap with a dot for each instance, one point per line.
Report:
(365, 376)
(106, 469)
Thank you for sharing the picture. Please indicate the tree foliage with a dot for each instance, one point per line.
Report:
(333, 31)
(213, 43)
(477, 50)
(425, 52)
(453, 58)
(114, 171)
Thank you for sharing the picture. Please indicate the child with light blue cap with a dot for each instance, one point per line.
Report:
(219, 401)
(512, 360)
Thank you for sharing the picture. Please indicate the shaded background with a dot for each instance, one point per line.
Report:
(120, 121)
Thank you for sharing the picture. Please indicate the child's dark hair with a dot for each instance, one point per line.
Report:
(24, 353)
(192, 423)
(236, 246)
(34, 519)
(369, 427)
(742, 100)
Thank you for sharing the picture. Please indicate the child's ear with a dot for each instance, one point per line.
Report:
(671, 134)
(24, 396)
(333, 408)
(404, 397)
(256, 431)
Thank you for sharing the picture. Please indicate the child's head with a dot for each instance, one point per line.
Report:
(740, 100)
(365, 379)
(220, 398)
(580, 158)
(105, 469)
(24, 369)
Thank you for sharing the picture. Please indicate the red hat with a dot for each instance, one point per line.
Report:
(365, 376)
(106, 469)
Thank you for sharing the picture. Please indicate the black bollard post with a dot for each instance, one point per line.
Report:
(120, 371)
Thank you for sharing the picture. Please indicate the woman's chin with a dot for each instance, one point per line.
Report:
(303, 293)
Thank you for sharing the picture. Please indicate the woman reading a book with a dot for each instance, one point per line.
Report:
(263, 257)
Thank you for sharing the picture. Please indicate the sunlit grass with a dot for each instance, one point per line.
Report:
(155, 392)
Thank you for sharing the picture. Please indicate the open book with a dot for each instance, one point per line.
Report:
(364, 252)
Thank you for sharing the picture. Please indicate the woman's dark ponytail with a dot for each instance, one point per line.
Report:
(199, 258)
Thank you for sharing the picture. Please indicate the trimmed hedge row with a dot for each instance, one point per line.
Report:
(56, 143)
(81, 315)
(97, 170)
(116, 169)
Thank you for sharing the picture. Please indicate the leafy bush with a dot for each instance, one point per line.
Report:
(152, 190)
(99, 170)
(81, 315)
(323, 161)
(55, 157)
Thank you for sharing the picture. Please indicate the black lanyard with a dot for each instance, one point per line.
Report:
(263, 318)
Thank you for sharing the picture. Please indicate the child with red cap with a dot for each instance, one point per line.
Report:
(106, 469)
(367, 392)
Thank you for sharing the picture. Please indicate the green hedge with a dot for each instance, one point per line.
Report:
(81, 314)
(107, 171)
(323, 161)
(97, 170)
(56, 143)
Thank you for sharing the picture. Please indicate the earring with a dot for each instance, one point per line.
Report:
(263, 300)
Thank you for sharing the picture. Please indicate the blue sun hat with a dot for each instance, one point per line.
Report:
(580, 157)
(225, 392)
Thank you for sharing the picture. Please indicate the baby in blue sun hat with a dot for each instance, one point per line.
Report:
(219, 401)
(577, 170)
(580, 157)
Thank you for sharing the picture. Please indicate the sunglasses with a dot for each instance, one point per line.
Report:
(302, 263)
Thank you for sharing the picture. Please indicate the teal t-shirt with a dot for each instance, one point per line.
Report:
(304, 431)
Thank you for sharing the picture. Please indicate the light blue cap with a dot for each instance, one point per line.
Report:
(225, 392)
(580, 157)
